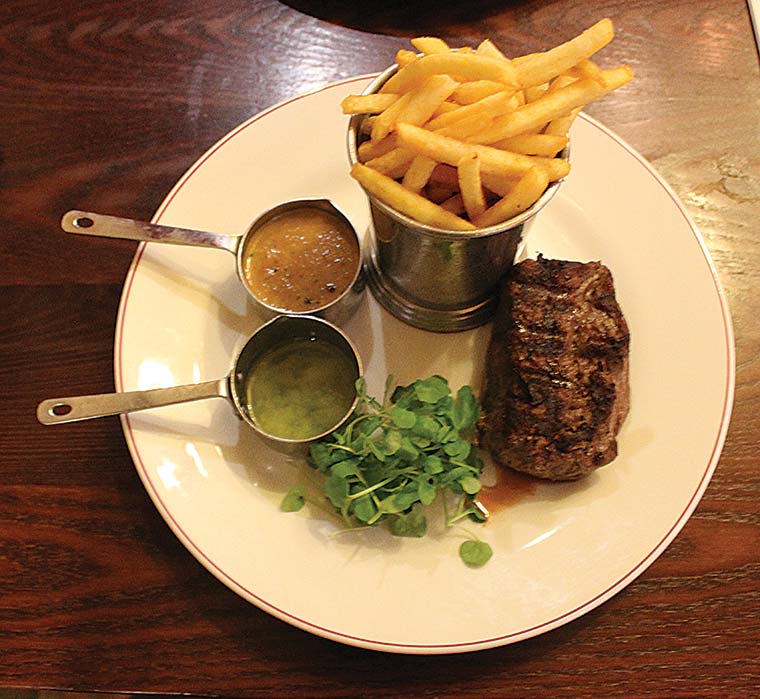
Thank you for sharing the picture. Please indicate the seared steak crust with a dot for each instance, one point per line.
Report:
(556, 378)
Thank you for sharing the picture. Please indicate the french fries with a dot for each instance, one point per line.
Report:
(492, 160)
(407, 202)
(553, 104)
(467, 138)
(424, 102)
(405, 56)
(540, 67)
(464, 65)
(544, 144)
(418, 173)
(476, 90)
(527, 190)
(491, 106)
(430, 44)
(367, 104)
(470, 186)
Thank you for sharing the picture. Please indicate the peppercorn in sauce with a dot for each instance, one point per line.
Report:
(301, 260)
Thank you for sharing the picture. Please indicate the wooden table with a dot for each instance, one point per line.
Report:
(104, 106)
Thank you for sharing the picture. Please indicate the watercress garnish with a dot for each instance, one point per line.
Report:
(396, 455)
(294, 500)
(475, 553)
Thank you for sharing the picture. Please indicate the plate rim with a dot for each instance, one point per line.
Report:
(431, 648)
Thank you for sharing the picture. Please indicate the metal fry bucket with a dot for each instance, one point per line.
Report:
(431, 278)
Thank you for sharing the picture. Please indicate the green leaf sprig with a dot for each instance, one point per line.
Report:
(475, 553)
(394, 457)
(294, 500)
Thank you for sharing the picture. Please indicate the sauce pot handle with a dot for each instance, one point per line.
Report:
(88, 223)
(56, 411)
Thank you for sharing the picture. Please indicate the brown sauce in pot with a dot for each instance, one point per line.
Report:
(301, 260)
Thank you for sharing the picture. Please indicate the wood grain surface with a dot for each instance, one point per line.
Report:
(104, 105)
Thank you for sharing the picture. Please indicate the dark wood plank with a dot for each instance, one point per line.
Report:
(105, 105)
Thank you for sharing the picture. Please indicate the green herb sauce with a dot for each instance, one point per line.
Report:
(300, 389)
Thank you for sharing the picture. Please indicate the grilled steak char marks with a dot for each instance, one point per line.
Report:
(556, 378)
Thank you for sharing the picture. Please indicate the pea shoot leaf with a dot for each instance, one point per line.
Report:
(336, 489)
(320, 456)
(470, 484)
(431, 390)
(347, 467)
(364, 508)
(426, 490)
(293, 500)
(392, 442)
(403, 418)
(475, 553)
(459, 449)
(432, 464)
(413, 524)
(390, 461)
(466, 409)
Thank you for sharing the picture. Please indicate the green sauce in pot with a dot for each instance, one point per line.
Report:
(300, 389)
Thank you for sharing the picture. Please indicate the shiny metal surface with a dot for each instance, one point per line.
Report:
(431, 278)
(281, 329)
(56, 411)
(338, 311)
(278, 331)
(341, 308)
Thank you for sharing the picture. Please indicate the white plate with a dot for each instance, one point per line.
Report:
(558, 551)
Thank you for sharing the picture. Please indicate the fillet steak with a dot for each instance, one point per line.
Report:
(556, 375)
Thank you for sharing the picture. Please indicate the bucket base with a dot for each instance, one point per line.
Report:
(439, 320)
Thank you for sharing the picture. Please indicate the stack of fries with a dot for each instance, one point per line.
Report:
(465, 138)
